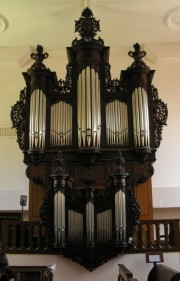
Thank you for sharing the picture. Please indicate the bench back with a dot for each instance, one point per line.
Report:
(163, 273)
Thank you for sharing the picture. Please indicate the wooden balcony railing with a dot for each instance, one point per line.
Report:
(157, 234)
(23, 237)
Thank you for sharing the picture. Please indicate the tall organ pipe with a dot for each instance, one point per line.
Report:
(89, 110)
(119, 183)
(37, 124)
(90, 211)
(59, 184)
(140, 118)
(90, 222)
(59, 217)
(120, 216)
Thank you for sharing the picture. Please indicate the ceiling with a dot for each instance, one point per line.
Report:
(50, 23)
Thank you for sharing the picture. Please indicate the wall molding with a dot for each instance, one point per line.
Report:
(7, 132)
(166, 197)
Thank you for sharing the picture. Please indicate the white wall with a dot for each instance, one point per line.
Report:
(68, 270)
(13, 181)
(166, 213)
(166, 179)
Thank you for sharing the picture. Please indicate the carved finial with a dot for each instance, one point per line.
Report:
(87, 25)
(119, 163)
(59, 161)
(39, 57)
(137, 55)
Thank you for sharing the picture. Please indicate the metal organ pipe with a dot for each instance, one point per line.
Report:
(94, 118)
(116, 123)
(104, 226)
(98, 108)
(78, 112)
(83, 108)
(140, 117)
(88, 106)
(59, 217)
(90, 222)
(89, 110)
(146, 118)
(61, 124)
(37, 126)
(120, 216)
(75, 226)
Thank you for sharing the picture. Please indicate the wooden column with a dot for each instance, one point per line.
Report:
(143, 193)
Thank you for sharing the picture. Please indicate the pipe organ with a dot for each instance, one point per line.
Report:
(105, 132)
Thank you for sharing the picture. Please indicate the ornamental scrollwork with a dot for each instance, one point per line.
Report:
(64, 86)
(46, 214)
(36, 179)
(112, 85)
(134, 213)
(160, 114)
(18, 118)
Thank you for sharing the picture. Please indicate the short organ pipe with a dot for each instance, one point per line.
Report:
(116, 123)
(61, 124)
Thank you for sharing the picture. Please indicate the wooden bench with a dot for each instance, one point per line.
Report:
(163, 273)
(125, 274)
(35, 273)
